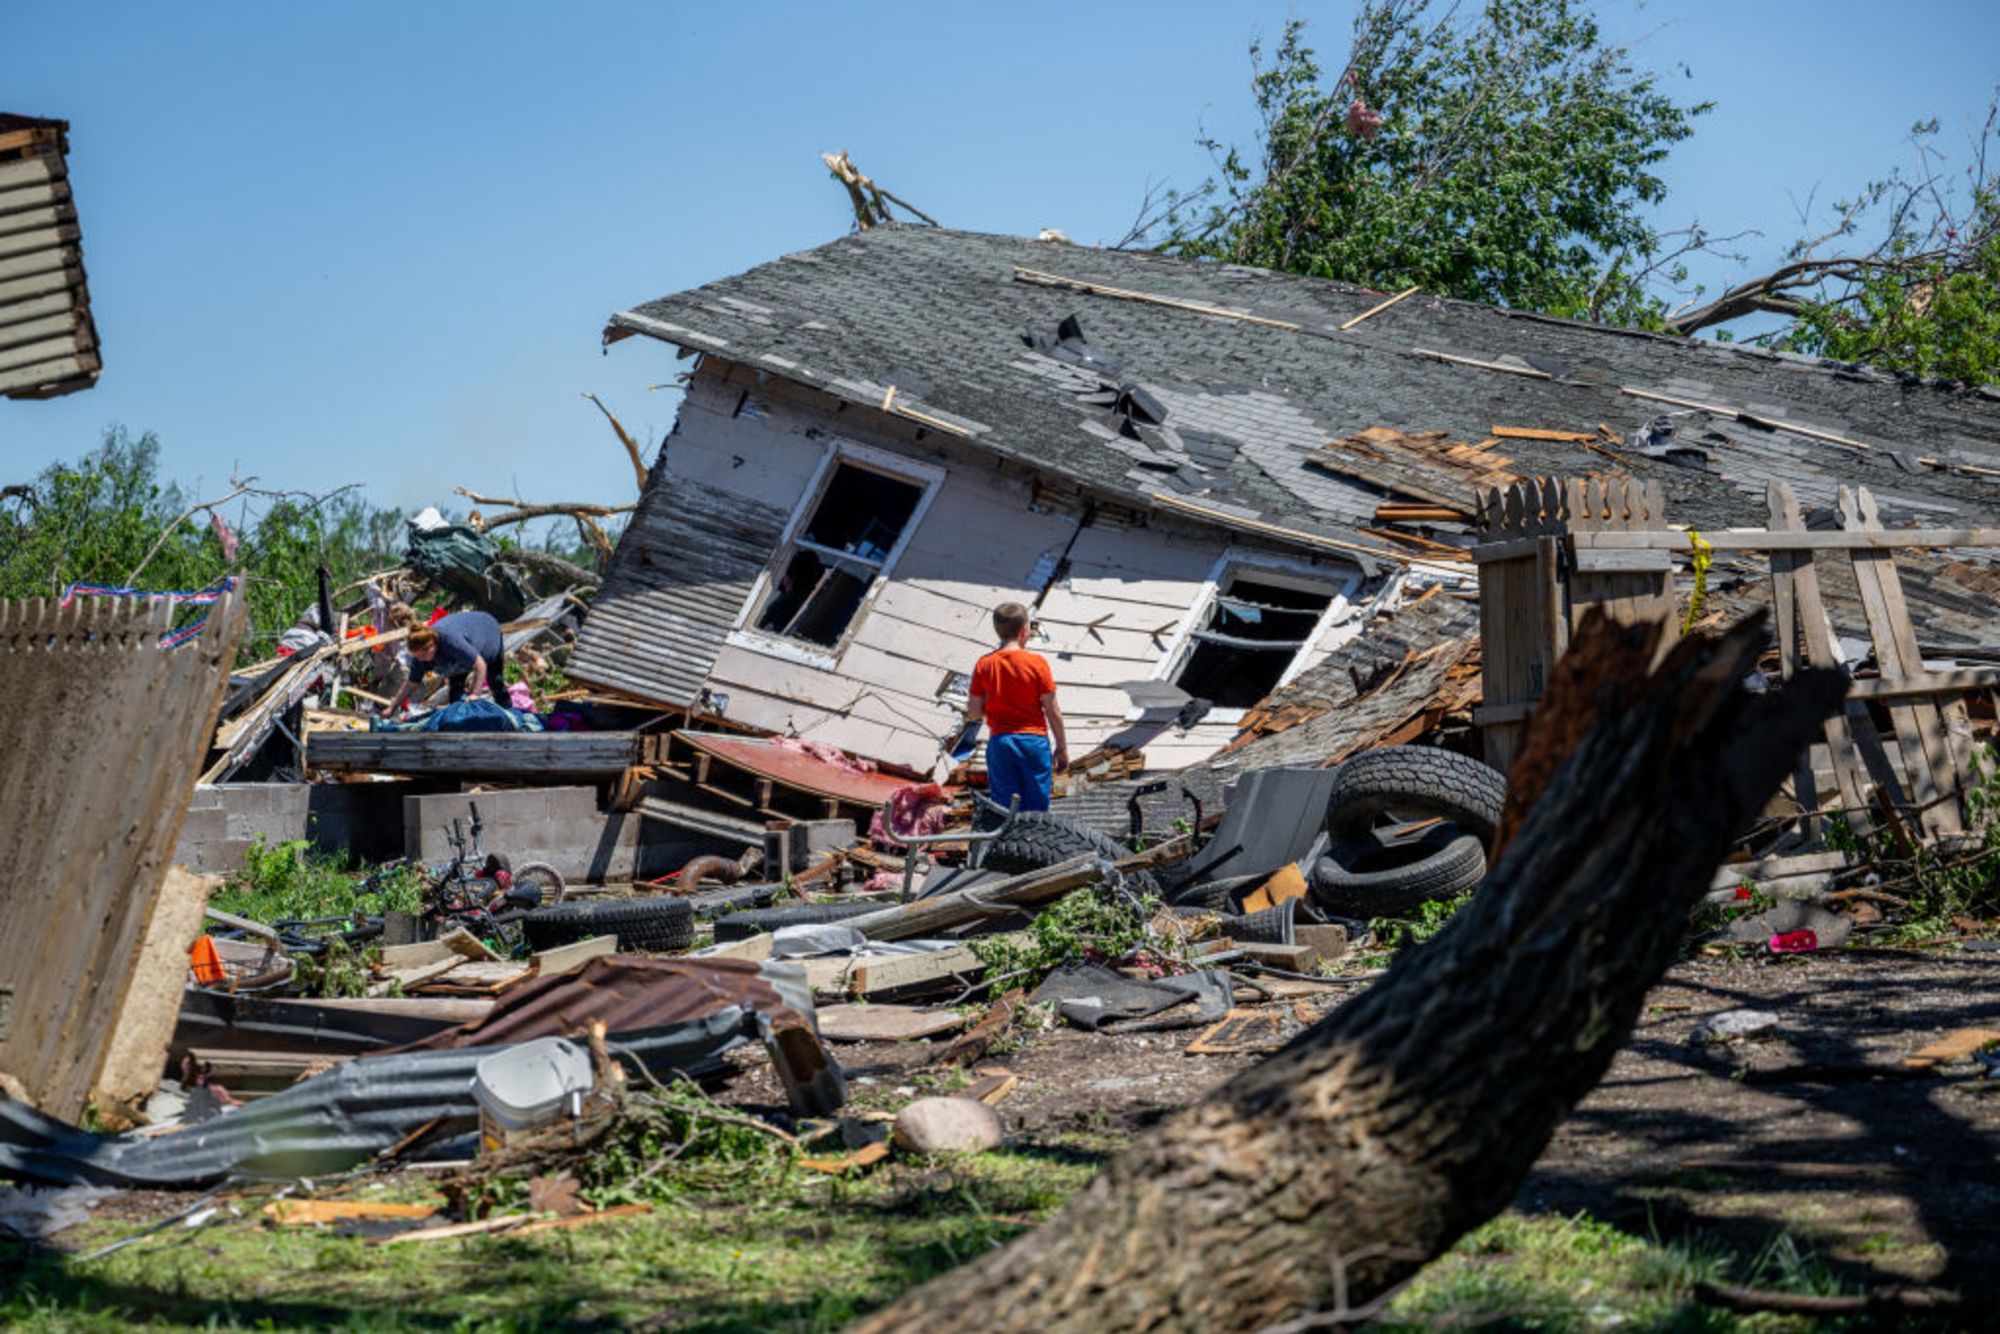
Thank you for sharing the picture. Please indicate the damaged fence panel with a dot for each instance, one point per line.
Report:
(105, 730)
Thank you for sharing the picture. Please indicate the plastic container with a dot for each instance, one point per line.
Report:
(1272, 926)
(528, 1086)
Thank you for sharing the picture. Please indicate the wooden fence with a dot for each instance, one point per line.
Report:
(105, 731)
(1549, 549)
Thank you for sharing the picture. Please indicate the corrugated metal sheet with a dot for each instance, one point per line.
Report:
(48, 342)
(680, 574)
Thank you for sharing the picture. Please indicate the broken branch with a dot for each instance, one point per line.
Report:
(625, 439)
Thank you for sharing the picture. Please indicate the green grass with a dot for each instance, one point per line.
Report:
(808, 1254)
(812, 1253)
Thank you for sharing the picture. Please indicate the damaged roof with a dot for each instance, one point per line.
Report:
(1217, 389)
(48, 341)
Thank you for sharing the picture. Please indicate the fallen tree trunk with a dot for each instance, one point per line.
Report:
(1304, 1192)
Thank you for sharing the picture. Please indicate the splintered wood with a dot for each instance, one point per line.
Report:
(1423, 464)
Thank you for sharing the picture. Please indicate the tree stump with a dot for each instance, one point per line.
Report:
(1317, 1182)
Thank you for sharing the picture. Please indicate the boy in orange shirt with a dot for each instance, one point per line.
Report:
(1014, 693)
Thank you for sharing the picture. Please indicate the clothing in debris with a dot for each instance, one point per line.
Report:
(463, 638)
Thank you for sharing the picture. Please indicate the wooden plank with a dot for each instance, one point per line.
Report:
(1785, 611)
(1928, 683)
(565, 958)
(871, 976)
(1823, 649)
(146, 1018)
(886, 1023)
(1734, 539)
(594, 754)
(1919, 726)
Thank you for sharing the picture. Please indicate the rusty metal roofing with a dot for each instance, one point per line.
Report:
(48, 342)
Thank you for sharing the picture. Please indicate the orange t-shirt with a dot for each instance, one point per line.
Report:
(1013, 681)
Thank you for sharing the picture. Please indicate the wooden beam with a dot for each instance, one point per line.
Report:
(1928, 683)
(596, 754)
(1758, 540)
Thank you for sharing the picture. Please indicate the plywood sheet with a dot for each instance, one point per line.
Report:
(107, 731)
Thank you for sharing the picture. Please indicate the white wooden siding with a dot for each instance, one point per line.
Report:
(1121, 608)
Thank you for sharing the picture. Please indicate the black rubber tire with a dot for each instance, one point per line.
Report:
(1215, 895)
(543, 877)
(1372, 879)
(1039, 839)
(656, 924)
(756, 921)
(1414, 782)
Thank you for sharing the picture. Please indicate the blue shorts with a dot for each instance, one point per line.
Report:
(1020, 764)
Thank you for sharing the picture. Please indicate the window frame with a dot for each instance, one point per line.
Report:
(1343, 579)
(745, 634)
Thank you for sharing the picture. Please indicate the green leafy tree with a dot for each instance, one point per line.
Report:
(1921, 298)
(108, 518)
(1508, 155)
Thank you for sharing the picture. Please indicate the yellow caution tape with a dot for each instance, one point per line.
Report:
(1703, 554)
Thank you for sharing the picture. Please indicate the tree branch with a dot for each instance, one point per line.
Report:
(625, 439)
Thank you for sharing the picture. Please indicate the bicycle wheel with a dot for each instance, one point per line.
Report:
(542, 877)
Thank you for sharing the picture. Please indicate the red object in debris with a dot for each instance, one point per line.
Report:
(438, 614)
(206, 961)
(1743, 894)
(1794, 942)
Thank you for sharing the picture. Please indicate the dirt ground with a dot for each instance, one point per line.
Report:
(1816, 1130)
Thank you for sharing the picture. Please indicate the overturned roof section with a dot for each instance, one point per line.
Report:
(1215, 390)
(48, 344)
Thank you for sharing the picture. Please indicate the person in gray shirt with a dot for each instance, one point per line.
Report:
(466, 649)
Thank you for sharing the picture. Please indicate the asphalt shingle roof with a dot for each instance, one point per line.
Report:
(964, 329)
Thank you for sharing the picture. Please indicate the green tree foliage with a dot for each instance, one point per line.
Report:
(108, 517)
(1925, 299)
(1514, 163)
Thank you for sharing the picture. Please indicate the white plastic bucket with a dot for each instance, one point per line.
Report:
(528, 1086)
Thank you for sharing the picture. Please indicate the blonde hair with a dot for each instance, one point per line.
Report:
(1009, 620)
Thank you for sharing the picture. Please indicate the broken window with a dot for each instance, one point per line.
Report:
(828, 567)
(1257, 624)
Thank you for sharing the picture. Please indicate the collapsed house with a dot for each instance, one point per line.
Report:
(1204, 480)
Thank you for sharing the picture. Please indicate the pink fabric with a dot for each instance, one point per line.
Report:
(884, 880)
(825, 754)
(916, 811)
(520, 697)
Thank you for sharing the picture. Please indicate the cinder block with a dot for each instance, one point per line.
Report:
(813, 839)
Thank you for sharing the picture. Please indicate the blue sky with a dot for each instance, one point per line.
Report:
(375, 242)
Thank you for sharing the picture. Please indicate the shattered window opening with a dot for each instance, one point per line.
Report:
(1248, 637)
(825, 571)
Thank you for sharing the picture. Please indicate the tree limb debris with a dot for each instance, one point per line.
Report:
(586, 516)
(871, 202)
(1412, 1114)
(625, 439)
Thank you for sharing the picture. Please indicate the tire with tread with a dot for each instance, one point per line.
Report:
(1039, 839)
(1415, 782)
(1368, 878)
(655, 923)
